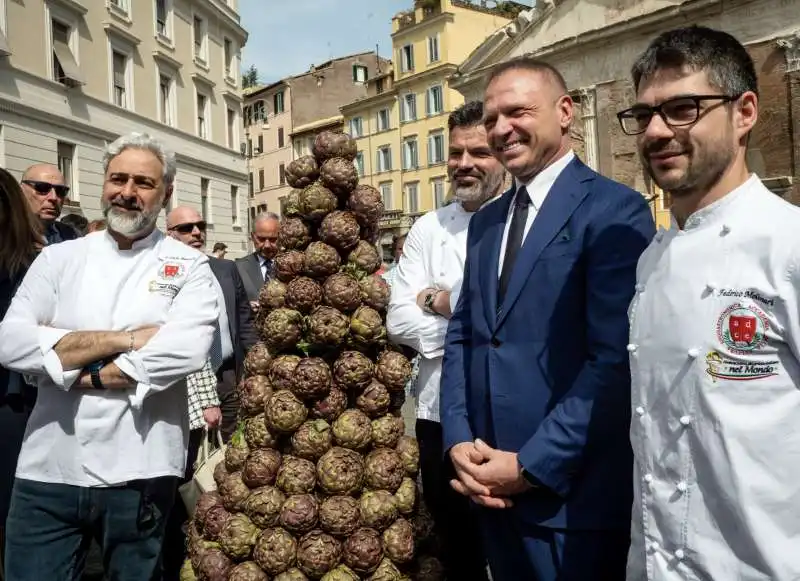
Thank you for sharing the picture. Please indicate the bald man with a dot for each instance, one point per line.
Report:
(46, 191)
(256, 268)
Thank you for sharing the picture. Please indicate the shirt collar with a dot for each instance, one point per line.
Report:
(717, 209)
(540, 185)
(147, 242)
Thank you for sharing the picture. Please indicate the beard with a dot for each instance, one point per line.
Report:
(481, 191)
(134, 222)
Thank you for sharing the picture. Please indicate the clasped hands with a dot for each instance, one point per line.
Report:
(488, 476)
(113, 378)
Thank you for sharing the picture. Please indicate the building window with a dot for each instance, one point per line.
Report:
(437, 189)
(231, 120)
(202, 116)
(227, 56)
(407, 58)
(434, 101)
(359, 74)
(261, 180)
(280, 138)
(278, 102)
(235, 206)
(356, 127)
(120, 75)
(379, 86)
(410, 154)
(412, 198)
(250, 184)
(65, 65)
(259, 112)
(166, 99)
(200, 34)
(433, 48)
(384, 162)
(384, 120)
(360, 163)
(260, 144)
(300, 147)
(282, 174)
(408, 107)
(162, 18)
(436, 148)
(205, 200)
(386, 194)
(66, 165)
(122, 5)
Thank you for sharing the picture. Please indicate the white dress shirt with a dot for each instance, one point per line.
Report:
(87, 437)
(537, 189)
(433, 257)
(714, 353)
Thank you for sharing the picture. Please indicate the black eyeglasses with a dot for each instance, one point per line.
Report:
(189, 227)
(43, 188)
(677, 112)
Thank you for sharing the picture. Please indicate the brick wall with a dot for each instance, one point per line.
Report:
(618, 158)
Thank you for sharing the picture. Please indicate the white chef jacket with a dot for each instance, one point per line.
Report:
(87, 437)
(714, 347)
(433, 257)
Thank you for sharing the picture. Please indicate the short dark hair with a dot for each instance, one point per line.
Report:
(396, 240)
(698, 48)
(220, 246)
(529, 63)
(469, 114)
(77, 223)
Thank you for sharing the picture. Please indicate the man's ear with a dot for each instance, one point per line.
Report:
(167, 196)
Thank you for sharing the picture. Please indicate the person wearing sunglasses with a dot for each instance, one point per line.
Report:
(44, 188)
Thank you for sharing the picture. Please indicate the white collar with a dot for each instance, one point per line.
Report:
(717, 208)
(540, 184)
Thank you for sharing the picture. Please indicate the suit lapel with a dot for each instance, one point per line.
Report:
(251, 273)
(228, 292)
(564, 197)
(490, 255)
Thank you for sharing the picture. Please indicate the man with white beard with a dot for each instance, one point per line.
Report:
(108, 327)
(424, 294)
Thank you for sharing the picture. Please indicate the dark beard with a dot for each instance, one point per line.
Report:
(703, 171)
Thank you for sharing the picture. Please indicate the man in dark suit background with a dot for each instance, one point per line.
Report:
(256, 268)
(535, 389)
(45, 190)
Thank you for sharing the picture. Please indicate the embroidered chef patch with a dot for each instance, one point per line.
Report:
(170, 270)
(742, 328)
(163, 288)
(722, 367)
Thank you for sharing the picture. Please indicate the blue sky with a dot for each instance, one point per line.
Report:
(288, 36)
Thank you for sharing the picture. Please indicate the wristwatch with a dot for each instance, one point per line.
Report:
(529, 478)
(429, 299)
(94, 371)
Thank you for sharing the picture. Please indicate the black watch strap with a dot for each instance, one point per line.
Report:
(94, 371)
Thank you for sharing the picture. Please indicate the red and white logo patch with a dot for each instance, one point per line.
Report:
(170, 271)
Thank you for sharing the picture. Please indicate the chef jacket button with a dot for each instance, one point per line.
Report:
(725, 229)
(640, 411)
(632, 347)
(686, 420)
(441, 273)
(710, 286)
(648, 478)
(693, 352)
(654, 546)
(682, 486)
(680, 554)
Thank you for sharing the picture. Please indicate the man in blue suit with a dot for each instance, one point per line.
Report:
(535, 391)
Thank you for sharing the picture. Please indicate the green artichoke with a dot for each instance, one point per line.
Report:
(291, 205)
(257, 434)
(321, 260)
(353, 370)
(263, 506)
(293, 574)
(272, 295)
(282, 329)
(353, 430)
(312, 379)
(316, 201)
(289, 264)
(341, 291)
(406, 496)
(318, 553)
(261, 467)
(367, 204)
(253, 394)
(374, 400)
(236, 452)
(285, 413)
(302, 172)
(326, 327)
(238, 537)
(378, 509)
(386, 571)
(398, 541)
(299, 513)
(340, 471)
(247, 571)
(383, 470)
(275, 550)
(364, 258)
(187, 572)
(393, 370)
(386, 431)
(331, 406)
(339, 515)
(294, 234)
(340, 573)
(281, 372)
(366, 327)
(375, 292)
(297, 475)
(234, 492)
(257, 360)
(312, 440)
(340, 229)
(408, 450)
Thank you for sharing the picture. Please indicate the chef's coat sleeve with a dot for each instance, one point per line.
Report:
(181, 345)
(453, 384)
(406, 323)
(597, 405)
(26, 339)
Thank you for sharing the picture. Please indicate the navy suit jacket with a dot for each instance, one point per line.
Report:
(545, 374)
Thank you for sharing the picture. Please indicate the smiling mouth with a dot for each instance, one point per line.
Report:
(510, 146)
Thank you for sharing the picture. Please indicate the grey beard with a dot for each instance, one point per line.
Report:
(131, 223)
(480, 192)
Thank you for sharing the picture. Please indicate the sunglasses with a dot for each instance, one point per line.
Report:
(189, 227)
(43, 188)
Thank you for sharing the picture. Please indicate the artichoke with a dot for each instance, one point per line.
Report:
(238, 537)
(341, 291)
(285, 413)
(330, 144)
(302, 172)
(221, 472)
(197, 550)
(258, 359)
(281, 373)
(318, 553)
(289, 264)
(367, 204)
(340, 229)
(303, 294)
(257, 434)
(206, 502)
(326, 327)
(294, 234)
(339, 176)
(366, 327)
(316, 201)
(374, 400)
(234, 492)
(321, 260)
(187, 572)
(386, 571)
(408, 450)
(363, 551)
(253, 394)
(340, 471)
(214, 522)
(293, 574)
(353, 370)
(398, 541)
(297, 475)
(272, 295)
(383, 470)
(236, 452)
(247, 571)
(275, 550)
(364, 258)
(339, 515)
(429, 568)
(261, 467)
(353, 430)
(393, 370)
(291, 203)
(312, 440)
(282, 329)
(340, 573)
(312, 379)
(263, 506)
(375, 292)
(299, 513)
(331, 406)
(378, 509)
(214, 565)
(406, 496)
(386, 431)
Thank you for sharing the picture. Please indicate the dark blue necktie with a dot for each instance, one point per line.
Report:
(516, 233)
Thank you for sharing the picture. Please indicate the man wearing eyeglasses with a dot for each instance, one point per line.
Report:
(45, 190)
(714, 329)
